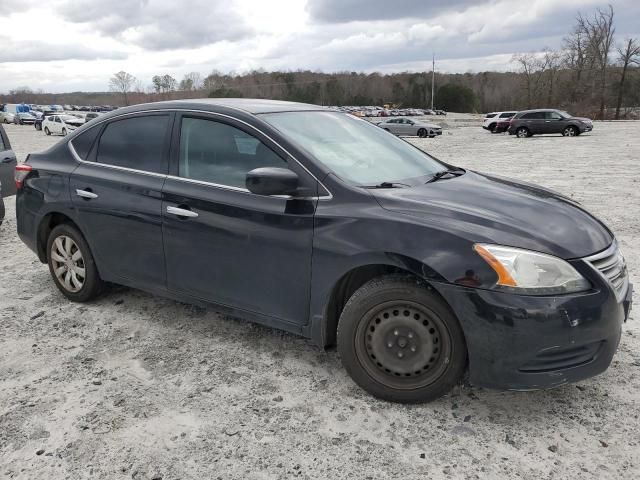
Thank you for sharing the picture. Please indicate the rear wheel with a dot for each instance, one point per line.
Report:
(38, 126)
(46, 130)
(522, 132)
(1, 210)
(570, 131)
(492, 128)
(71, 264)
(400, 341)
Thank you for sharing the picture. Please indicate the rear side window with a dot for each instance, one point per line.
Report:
(83, 142)
(136, 143)
(533, 115)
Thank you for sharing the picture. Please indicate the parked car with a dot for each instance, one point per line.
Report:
(8, 164)
(6, 117)
(491, 120)
(420, 269)
(546, 121)
(91, 115)
(407, 127)
(38, 123)
(501, 126)
(24, 118)
(62, 124)
(441, 112)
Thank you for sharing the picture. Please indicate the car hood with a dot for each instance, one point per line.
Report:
(582, 119)
(491, 209)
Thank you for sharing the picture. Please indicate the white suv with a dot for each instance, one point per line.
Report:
(492, 119)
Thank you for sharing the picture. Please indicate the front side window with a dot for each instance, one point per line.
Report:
(136, 143)
(553, 116)
(490, 115)
(507, 115)
(215, 152)
(356, 150)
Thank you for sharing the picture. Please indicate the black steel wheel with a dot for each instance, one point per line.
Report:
(400, 341)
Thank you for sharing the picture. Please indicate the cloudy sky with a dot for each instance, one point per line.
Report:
(69, 45)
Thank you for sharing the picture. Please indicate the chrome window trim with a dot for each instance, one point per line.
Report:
(608, 252)
(95, 122)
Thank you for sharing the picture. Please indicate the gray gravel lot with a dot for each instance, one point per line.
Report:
(136, 386)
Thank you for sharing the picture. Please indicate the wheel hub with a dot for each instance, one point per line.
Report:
(402, 341)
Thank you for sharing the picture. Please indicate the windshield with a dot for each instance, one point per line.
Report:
(564, 114)
(356, 150)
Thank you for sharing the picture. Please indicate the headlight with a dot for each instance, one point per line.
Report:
(531, 273)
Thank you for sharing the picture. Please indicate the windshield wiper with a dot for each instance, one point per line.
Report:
(387, 185)
(443, 173)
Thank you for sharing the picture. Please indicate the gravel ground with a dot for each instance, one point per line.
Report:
(136, 386)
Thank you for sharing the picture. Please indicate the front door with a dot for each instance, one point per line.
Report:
(8, 164)
(117, 195)
(554, 122)
(224, 244)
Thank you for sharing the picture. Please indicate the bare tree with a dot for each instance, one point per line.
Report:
(628, 53)
(122, 82)
(191, 81)
(599, 32)
(533, 68)
(552, 61)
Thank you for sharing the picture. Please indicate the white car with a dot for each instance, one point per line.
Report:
(492, 119)
(61, 124)
(407, 127)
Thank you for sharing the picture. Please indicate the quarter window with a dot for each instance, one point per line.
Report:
(83, 142)
(137, 143)
(218, 153)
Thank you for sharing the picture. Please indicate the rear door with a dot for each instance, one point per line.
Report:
(8, 164)
(117, 193)
(233, 247)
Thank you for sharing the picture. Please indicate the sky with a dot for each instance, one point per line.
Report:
(73, 45)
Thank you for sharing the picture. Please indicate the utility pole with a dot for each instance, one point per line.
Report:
(433, 77)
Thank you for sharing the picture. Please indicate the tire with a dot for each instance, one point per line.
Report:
(38, 126)
(492, 128)
(400, 341)
(63, 245)
(522, 132)
(46, 130)
(422, 133)
(570, 131)
(1, 210)
(64, 132)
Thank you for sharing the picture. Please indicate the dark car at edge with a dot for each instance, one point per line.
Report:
(546, 121)
(321, 224)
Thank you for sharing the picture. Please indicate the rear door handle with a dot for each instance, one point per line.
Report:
(182, 212)
(85, 194)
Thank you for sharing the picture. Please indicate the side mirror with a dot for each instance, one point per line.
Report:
(272, 181)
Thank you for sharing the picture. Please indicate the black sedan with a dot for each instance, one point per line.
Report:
(324, 225)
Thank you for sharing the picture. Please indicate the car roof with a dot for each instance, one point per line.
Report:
(539, 110)
(249, 105)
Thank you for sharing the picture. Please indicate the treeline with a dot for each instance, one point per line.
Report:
(592, 74)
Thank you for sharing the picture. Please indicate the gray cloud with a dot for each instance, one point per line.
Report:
(160, 24)
(35, 51)
(339, 11)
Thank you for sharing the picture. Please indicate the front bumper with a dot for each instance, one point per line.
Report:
(520, 342)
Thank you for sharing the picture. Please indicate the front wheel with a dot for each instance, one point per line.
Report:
(71, 264)
(422, 133)
(47, 131)
(400, 342)
(570, 131)
(64, 132)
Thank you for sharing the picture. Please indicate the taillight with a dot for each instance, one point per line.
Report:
(22, 172)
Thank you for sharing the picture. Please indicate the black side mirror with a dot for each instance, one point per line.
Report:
(272, 181)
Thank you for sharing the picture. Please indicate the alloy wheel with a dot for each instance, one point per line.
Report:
(68, 263)
(403, 345)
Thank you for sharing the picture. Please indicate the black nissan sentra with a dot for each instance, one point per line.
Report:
(321, 224)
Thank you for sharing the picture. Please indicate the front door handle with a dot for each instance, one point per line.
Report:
(182, 212)
(85, 194)
(7, 159)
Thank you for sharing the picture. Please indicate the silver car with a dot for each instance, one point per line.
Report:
(408, 127)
